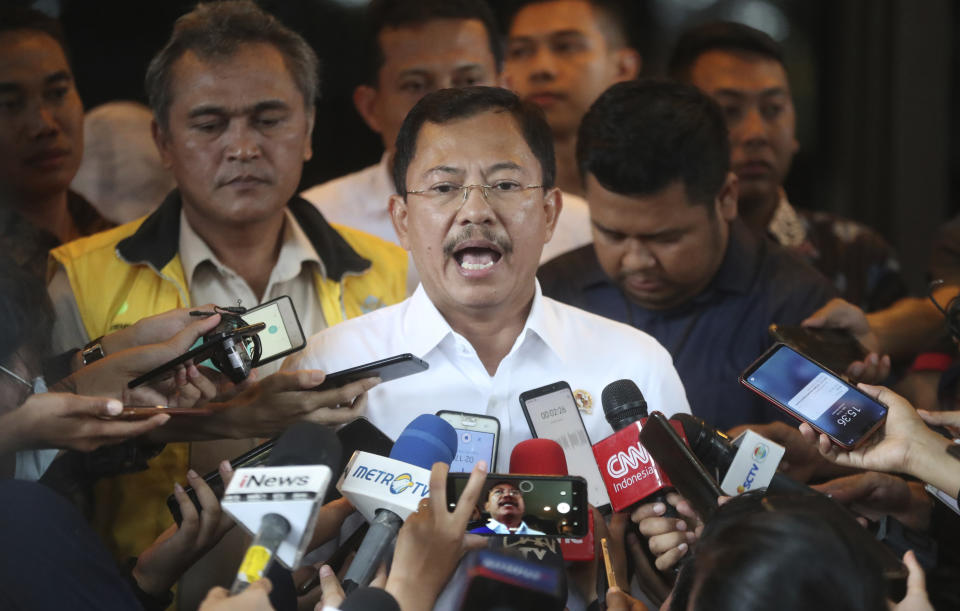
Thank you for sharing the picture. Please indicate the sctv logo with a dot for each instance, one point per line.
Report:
(622, 462)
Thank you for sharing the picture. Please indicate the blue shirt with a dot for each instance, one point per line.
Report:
(717, 334)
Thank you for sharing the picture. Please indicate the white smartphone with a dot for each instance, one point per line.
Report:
(552, 413)
(283, 334)
(478, 438)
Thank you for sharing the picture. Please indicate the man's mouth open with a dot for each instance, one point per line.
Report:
(475, 256)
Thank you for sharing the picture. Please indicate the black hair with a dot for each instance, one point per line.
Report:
(793, 557)
(722, 35)
(216, 30)
(26, 316)
(461, 103)
(383, 14)
(640, 136)
(616, 17)
(18, 18)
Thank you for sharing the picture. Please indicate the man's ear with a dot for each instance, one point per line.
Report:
(161, 140)
(365, 101)
(308, 145)
(628, 64)
(399, 216)
(552, 205)
(727, 198)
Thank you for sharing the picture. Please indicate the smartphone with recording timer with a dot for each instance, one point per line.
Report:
(478, 437)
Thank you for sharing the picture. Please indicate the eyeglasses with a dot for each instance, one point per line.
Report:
(501, 192)
(499, 492)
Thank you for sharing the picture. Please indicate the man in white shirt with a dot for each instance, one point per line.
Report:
(506, 507)
(476, 170)
(415, 47)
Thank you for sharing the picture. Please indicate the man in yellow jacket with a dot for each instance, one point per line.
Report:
(233, 98)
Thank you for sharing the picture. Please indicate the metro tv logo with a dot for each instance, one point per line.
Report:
(622, 462)
(396, 484)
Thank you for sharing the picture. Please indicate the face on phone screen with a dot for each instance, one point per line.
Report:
(524, 505)
(817, 396)
(472, 447)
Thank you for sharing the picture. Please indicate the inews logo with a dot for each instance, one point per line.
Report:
(396, 484)
(264, 480)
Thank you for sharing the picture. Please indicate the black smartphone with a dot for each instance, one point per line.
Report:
(282, 334)
(687, 474)
(358, 435)
(197, 354)
(386, 369)
(528, 505)
(834, 348)
(551, 412)
(810, 392)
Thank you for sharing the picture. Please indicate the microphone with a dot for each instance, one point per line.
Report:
(370, 599)
(629, 472)
(278, 502)
(387, 490)
(543, 456)
(502, 582)
(748, 462)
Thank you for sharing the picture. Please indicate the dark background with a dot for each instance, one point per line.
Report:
(873, 80)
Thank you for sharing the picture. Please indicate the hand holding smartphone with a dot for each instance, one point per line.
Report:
(811, 393)
(834, 348)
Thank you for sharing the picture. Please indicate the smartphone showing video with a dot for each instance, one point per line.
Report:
(477, 439)
(282, 333)
(527, 505)
(808, 391)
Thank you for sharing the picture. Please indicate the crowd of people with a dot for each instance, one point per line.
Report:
(541, 212)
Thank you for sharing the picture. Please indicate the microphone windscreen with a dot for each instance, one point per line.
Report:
(428, 439)
(306, 443)
(369, 599)
(623, 403)
(538, 457)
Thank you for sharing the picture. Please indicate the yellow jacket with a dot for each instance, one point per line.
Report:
(124, 274)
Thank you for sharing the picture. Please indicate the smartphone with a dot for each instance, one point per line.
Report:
(135, 412)
(547, 506)
(282, 333)
(808, 391)
(197, 354)
(551, 412)
(834, 348)
(478, 437)
(358, 435)
(687, 474)
(386, 369)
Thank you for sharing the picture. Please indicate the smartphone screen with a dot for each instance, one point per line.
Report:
(552, 506)
(476, 439)
(812, 393)
(552, 413)
(282, 334)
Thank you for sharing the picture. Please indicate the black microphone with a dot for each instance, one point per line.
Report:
(623, 405)
(716, 451)
(369, 599)
(269, 502)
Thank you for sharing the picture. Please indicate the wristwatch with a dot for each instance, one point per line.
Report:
(92, 351)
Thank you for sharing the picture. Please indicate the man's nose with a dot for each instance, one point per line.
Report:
(637, 256)
(475, 208)
(242, 142)
(752, 129)
(543, 65)
(43, 121)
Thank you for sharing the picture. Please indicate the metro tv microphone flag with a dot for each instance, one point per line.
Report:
(387, 490)
(629, 472)
(278, 502)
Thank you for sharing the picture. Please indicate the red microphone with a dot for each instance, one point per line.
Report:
(545, 457)
(629, 472)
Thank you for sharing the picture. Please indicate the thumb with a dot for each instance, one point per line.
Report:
(263, 584)
(916, 580)
(332, 591)
(77, 405)
(187, 336)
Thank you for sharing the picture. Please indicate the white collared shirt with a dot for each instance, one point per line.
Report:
(361, 200)
(558, 342)
(503, 529)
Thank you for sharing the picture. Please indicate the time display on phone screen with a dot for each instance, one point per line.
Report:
(472, 447)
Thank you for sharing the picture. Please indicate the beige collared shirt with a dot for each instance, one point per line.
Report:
(210, 281)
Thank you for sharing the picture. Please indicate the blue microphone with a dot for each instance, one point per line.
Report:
(427, 440)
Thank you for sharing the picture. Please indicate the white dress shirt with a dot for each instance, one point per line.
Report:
(361, 200)
(558, 342)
